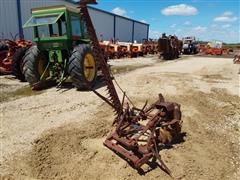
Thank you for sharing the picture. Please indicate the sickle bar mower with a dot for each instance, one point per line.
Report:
(139, 132)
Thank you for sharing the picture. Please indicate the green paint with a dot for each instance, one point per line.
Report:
(56, 31)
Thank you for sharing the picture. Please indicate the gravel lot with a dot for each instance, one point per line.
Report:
(58, 134)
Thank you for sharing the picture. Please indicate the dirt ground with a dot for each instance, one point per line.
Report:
(58, 134)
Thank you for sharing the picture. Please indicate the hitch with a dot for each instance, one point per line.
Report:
(139, 133)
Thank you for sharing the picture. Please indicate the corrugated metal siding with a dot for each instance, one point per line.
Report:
(8, 19)
(103, 24)
(140, 32)
(124, 29)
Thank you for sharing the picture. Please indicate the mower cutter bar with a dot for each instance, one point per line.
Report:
(138, 142)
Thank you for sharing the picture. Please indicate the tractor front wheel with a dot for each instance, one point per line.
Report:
(82, 67)
(34, 66)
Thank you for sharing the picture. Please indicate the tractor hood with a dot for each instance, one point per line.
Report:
(44, 19)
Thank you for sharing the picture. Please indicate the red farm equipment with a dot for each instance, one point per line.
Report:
(136, 50)
(10, 55)
(150, 47)
(214, 48)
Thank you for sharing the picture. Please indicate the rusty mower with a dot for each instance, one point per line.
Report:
(139, 131)
(11, 53)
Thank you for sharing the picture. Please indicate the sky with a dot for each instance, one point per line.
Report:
(206, 19)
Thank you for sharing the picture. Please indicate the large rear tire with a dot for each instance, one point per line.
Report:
(17, 63)
(34, 65)
(82, 67)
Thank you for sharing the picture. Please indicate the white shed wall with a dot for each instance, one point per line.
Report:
(8, 19)
(124, 29)
(103, 24)
(140, 32)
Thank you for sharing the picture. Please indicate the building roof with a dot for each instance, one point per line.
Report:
(100, 10)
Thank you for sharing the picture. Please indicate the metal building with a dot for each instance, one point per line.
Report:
(14, 13)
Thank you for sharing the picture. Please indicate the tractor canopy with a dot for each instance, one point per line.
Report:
(57, 27)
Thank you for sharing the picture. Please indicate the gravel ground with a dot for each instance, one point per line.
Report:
(58, 134)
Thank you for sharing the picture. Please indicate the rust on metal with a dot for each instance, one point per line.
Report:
(169, 47)
(150, 47)
(113, 98)
(139, 131)
(6, 55)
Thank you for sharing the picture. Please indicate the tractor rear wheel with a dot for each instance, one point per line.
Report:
(82, 67)
(17, 63)
(34, 65)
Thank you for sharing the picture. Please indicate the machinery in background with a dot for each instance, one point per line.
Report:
(11, 52)
(124, 49)
(169, 47)
(214, 48)
(136, 50)
(4, 63)
(117, 50)
(190, 45)
(109, 49)
(150, 47)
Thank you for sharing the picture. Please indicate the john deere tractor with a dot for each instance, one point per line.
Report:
(62, 48)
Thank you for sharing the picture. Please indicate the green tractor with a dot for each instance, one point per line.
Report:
(62, 49)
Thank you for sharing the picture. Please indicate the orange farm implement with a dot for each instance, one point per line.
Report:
(8, 49)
